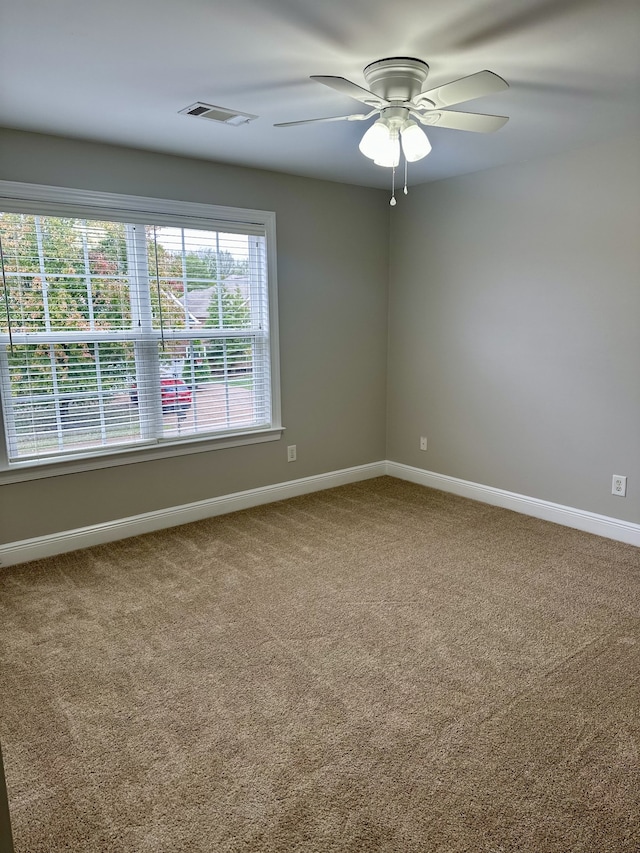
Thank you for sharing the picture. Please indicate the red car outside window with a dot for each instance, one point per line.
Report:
(174, 394)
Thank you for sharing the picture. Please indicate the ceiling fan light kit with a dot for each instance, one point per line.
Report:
(381, 142)
(395, 95)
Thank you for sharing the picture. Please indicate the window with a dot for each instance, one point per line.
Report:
(125, 330)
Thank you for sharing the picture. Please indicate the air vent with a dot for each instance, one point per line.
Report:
(220, 114)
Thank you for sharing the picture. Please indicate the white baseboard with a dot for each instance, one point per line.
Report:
(590, 522)
(97, 534)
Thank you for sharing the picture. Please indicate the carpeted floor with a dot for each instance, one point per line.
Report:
(379, 667)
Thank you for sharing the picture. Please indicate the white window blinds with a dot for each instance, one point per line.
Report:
(117, 333)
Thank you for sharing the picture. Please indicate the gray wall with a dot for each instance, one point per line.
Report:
(514, 340)
(513, 312)
(332, 282)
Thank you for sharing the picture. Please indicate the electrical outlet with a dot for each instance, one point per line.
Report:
(619, 486)
(292, 453)
(423, 442)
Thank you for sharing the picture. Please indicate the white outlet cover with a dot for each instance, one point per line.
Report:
(619, 485)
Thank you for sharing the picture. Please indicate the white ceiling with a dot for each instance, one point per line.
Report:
(119, 71)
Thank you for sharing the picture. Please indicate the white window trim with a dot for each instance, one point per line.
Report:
(49, 200)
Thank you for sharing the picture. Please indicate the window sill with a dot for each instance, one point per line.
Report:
(21, 472)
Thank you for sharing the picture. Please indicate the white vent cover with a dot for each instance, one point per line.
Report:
(220, 114)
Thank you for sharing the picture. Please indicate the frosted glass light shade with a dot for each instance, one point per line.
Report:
(375, 140)
(390, 155)
(415, 144)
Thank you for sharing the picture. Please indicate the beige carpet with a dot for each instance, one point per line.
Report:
(378, 667)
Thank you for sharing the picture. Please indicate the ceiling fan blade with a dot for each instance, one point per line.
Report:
(475, 122)
(465, 89)
(356, 117)
(346, 87)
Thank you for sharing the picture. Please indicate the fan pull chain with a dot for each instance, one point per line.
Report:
(393, 188)
(406, 169)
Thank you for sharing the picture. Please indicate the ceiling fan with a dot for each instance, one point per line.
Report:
(396, 97)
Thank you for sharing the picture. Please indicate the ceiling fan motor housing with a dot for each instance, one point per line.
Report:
(399, 78)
